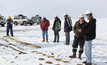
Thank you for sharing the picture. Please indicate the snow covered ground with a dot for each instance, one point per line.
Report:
(33, 35)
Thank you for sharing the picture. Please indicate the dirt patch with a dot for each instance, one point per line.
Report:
(41, 59)
(49, 62)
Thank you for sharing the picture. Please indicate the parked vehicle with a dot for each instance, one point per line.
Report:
(2, 21)
(21, 19)
(36, 19)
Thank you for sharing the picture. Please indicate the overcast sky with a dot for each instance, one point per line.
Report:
(50, 8)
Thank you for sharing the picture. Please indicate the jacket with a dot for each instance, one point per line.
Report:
(90, 31)
(9, 21)
(78, 26)
(57, 25)
(44, 25)
(67, 25)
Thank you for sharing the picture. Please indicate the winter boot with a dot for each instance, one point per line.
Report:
(54, 41)
(85, 62)
(43, 40)
(58, 41)
(47, 40)
(79, 56)
(67, 43)
(73, 56)
(88, 64)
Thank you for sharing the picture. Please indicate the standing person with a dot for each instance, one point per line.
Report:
(79, 36)
(9, 26)
(56, 28)
(67, 28)
(90, 35)
(44, 27)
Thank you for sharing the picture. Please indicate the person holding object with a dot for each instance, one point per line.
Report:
(79, 36)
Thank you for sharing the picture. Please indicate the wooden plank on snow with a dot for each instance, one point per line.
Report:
(23, 43)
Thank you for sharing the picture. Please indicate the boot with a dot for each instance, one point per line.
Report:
(58, 41)
(73, 56)
(67, 43)
(85, 62)
(43, 40)
(47, 40)
(88, 64)
(79, 56)
(54, 41)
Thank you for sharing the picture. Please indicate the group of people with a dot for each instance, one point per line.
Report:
(85, 33)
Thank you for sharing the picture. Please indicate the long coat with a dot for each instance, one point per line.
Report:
(44, 25)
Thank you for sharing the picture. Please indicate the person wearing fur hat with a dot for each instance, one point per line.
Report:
(56, 28)
(79, 36)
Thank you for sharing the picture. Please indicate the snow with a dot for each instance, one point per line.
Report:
(33, 35)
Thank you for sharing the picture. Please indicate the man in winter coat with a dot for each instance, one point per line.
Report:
(9, 26)
(67, 28)
(44, 27)
(79, 36)
(56, 28)
(90, 35)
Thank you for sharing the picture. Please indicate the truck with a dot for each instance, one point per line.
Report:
(36, 19)
(2, 21)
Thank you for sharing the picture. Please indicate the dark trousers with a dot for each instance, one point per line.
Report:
(56, 36)
(80, 42)
(9, 28)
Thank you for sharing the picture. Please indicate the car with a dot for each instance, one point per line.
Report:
(21, 19)
(2, 21)
(36, 19)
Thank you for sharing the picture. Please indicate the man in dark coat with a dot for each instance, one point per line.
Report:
(56, 28)
(67, 28)
(79, 36)
(44, 27)
(10, 26)
(90, 35)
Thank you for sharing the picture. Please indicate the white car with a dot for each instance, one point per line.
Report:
(20, 19)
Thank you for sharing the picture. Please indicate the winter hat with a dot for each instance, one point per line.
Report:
(81, 15)
(44, 17)
(55, 16)
(65, 14)
(69, 16)
(9, 17)
(89, 13)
